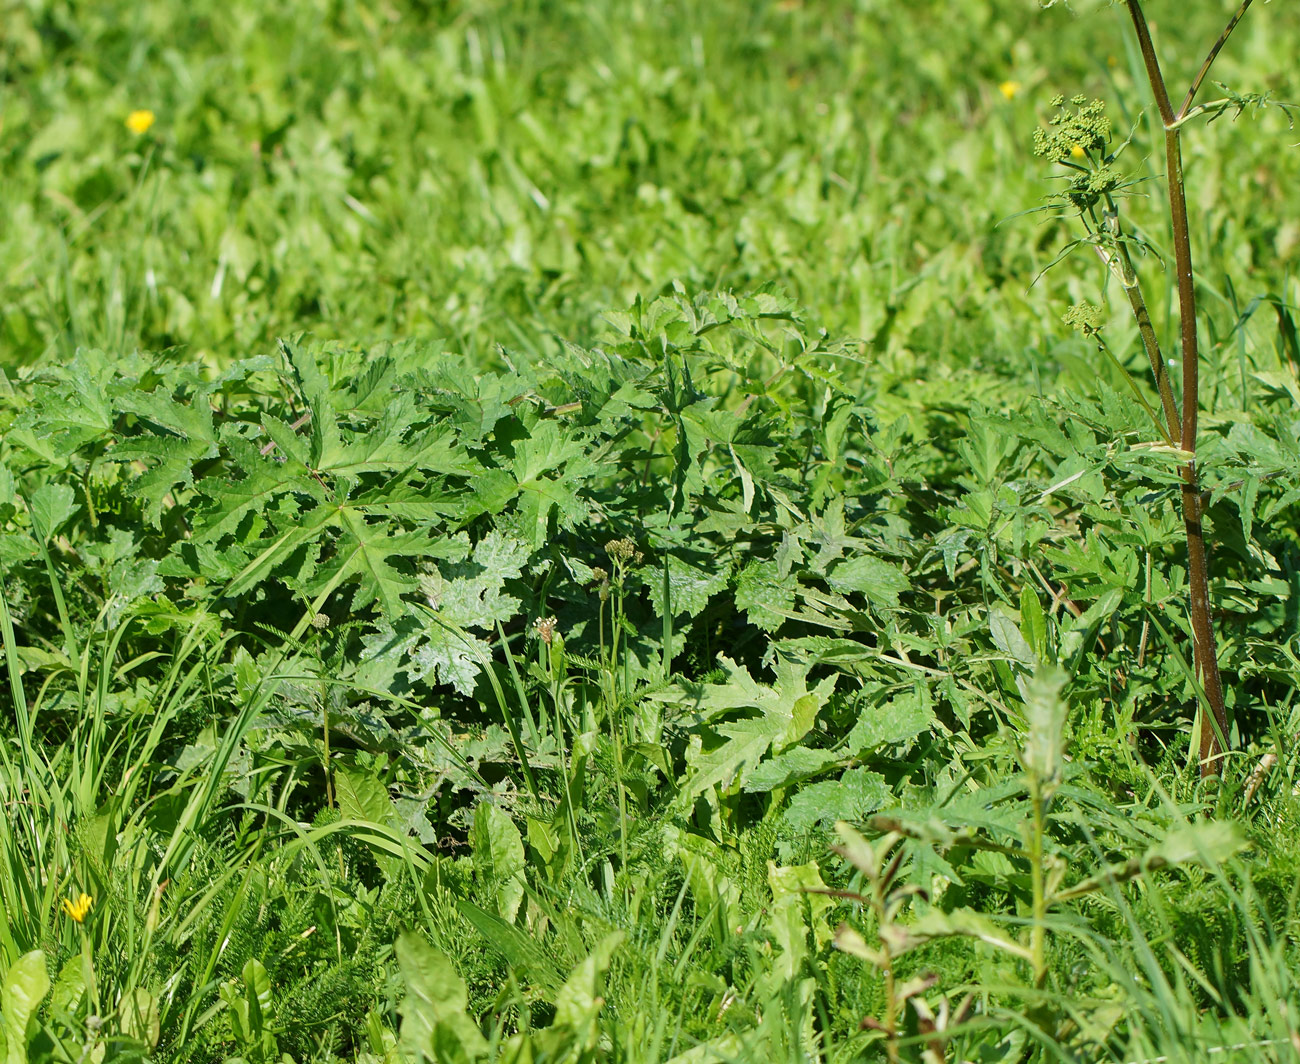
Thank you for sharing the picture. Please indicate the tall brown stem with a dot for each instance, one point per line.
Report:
(1214, 724)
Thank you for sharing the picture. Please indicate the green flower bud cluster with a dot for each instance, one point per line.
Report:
(1085, 317)
(1072, 134)
(624, 551)
(1078, 139)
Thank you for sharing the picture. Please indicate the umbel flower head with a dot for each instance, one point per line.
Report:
(1078, 140)
(1085, 317)
(79, 908)
(1070, 134)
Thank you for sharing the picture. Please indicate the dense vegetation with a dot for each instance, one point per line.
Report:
(577, 532)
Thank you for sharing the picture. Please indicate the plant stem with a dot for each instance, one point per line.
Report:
(880, 905)
(1214, 724)
(1038, 930)
(1120, 263)
(1209, 59)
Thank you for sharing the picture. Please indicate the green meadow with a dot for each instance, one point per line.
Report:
(639, 533)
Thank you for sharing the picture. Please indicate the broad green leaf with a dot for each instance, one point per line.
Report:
(361, 796)
(139, 1016)
(854, 796)
(764, 594)
(257, 992)
(499, 858)
(795, 765)
(76, 407)
(880, 581)
(787, 710)
(435, 1026)
(579, 1000)
(799, 908)
(1007, 638)
(902, 717)
(691, 583)
(51, 505)
(1045, 713)
(962, 922)
(25, 984)
(1033, 623)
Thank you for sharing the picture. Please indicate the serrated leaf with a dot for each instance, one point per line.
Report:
(51, 505)
(234, 499)
(794, 766)
(899, 719)
(75, 408)
(449, 656)
(363, 552)
(691, 583)
(787, 712)
(763, 594)
(854, 796)
(880, 581)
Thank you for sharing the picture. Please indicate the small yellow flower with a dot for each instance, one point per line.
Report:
(78, 909)
(139, 122)
(1010, 89)
(1077, 151)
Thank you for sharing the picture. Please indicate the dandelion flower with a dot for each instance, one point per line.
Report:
(139, 122)
(1010, 89)
(78, 909)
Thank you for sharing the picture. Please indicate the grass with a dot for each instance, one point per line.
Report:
(450, 173)
(442, 621)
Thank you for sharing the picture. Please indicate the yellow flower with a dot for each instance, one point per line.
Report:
(1077, 151)
(138, 122)
(1010, 89)
(78, 909)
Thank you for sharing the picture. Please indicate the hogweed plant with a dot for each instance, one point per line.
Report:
(1079, 139)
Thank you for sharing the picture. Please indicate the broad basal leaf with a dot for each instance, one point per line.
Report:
(785, 713)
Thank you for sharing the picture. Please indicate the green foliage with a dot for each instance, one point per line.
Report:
(25, 985)
(489, 686)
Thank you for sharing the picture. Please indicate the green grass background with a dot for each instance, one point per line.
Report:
(500, 173)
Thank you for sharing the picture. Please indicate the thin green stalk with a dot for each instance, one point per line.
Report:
(1038, 930)
(1119, 261)
(1209, 59)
